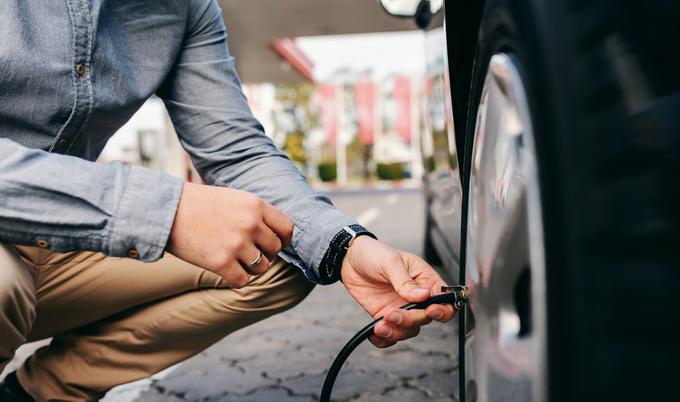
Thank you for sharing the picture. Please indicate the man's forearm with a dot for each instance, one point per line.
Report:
(65, 204)
(317, 221)
(228, 146)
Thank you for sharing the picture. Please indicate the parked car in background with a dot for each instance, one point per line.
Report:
(551, 148)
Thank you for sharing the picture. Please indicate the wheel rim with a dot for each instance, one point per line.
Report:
(505, 260)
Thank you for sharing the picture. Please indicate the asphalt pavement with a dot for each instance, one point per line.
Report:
(284, 358)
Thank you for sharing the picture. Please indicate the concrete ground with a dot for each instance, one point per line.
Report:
(285, 357)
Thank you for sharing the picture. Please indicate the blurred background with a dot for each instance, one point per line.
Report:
(336, 84)
(339, 86)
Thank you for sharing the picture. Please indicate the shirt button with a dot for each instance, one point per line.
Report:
(61, 142)
(80, 69)
(133, 253)
(42, 243)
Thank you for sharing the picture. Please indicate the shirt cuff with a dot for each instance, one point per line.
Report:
(145, 215)
(312, 238)
(329, 269)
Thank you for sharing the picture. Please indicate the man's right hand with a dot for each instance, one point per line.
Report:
(224, 230)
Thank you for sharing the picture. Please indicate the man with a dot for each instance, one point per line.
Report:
(82, 257)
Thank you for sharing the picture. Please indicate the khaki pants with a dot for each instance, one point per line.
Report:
(117, 320)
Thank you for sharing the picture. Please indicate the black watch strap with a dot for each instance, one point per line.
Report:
(329, 269)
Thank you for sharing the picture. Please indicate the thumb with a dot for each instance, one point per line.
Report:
(405, 286)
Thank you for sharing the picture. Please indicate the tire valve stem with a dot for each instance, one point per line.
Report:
(460, 294)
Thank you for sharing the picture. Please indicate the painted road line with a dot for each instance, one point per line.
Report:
(392, 199)
(365, 218)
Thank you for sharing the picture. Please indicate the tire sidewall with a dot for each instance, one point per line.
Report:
(500, 33)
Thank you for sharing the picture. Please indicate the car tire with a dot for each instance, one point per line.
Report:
(604, 105)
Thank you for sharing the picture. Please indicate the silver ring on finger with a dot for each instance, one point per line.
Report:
(256, 261)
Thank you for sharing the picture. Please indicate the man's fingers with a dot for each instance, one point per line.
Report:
(380, 342)
(403, 283)
(393, 333)
(234, 275)
(407, 319)
(440, 312)
(399, 324)
(268, 242)
(279, 223)
(250, 255)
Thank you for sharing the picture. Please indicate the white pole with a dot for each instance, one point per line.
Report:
(340, 146)
(416, 164)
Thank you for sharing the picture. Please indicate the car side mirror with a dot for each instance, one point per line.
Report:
(420, 10)
(424, 14)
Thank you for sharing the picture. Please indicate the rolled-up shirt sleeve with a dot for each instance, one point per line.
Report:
(228, 145)
(66, 203)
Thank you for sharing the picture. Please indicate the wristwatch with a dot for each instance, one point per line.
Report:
(329, 269)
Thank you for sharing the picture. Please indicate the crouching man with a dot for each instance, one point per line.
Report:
(129, 270)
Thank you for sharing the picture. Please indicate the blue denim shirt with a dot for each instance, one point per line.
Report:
(72, 72)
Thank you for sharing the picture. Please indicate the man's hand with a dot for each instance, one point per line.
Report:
(224, 230)
(382, 279)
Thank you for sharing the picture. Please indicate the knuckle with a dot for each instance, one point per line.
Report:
(219, 260)
(393, 259)
(408, 255)
(250, 222)
(239, 243)
(255, 202)
(250, 198)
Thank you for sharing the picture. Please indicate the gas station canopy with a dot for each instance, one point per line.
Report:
(255, 26)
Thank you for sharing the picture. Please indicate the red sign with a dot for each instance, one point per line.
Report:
(329, 115)
(365, 93)
(402, 97)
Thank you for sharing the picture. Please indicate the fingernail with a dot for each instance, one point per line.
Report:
(419, 292)
(383, 332)
(394, 317)
(438, 315)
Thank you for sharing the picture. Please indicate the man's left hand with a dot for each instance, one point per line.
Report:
(383, 279)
